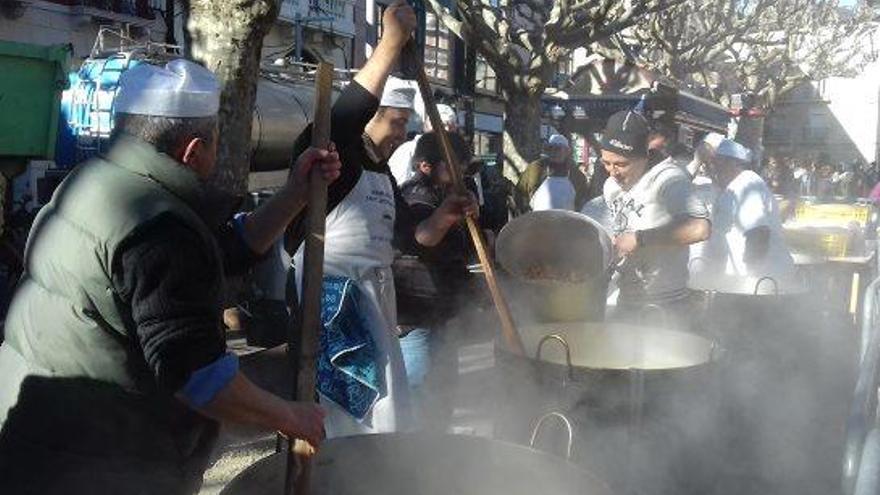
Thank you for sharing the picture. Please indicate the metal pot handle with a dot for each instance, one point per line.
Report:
(565, 422)
(561, 340)
(716, 352)
(646, 311)
(696, 258)
(762, 280)
(803, 275)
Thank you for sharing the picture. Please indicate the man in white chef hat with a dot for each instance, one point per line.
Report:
(401, 161)
(115, 369)
(747, 237)
(367, 391)
(704, 192)
(704, 153)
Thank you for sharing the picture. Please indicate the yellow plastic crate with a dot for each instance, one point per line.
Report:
(838, 214)
(819, 241)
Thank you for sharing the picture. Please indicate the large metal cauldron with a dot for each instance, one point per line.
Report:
(738, 310)
(424, 464)
(642, 400)
(784, 382)
(599, 363)
(558, 260)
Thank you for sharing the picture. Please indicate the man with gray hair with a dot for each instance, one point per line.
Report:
(115, 369)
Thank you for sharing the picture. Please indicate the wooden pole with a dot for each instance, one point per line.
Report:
(300, 452)
(508, 328)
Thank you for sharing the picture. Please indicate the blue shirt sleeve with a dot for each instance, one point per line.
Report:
(205, 383)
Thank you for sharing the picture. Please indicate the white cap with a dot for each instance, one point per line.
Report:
(447, 114)
(179, 89)
(729, 148)
(398, 94)
(558, 140)
(713, 139)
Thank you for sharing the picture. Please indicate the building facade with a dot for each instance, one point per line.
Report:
(327, 30)
(340, 31)
(78, 22)
(834, 120)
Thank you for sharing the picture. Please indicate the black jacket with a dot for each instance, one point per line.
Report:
(429, 281)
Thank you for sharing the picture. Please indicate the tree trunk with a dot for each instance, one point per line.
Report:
(522, 131)
(227, 37)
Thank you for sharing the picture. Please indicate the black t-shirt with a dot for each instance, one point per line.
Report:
(350, 115)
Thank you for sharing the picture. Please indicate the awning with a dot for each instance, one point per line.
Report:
(588, 113)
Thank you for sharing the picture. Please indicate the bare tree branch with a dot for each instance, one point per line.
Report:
(759, 46)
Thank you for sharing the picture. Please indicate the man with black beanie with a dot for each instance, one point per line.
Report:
(655, 217)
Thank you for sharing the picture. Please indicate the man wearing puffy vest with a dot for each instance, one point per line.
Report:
(115, 373)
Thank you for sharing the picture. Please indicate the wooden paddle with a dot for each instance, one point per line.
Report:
(508, 329)
(299, 456)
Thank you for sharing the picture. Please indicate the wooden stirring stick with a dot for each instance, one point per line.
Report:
(508, 329)
(299, 456)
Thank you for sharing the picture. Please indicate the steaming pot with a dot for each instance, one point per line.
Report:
(597, 363)
(785, 380)
(642, 399)
(424, 464)
(739, 310)
(557, 242)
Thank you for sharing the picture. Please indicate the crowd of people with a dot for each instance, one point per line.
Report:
(115, 368)
(819, 177)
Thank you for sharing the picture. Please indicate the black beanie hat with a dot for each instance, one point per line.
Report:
(428, 149)
(626, 133)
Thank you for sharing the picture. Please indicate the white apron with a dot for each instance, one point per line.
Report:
(555, 193)
(358, 246)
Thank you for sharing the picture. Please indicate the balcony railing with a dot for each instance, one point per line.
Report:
(134, 8)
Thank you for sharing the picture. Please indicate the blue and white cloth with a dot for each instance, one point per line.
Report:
(348, 373)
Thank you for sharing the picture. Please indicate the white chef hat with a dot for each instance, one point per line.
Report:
(179, 89)
(398, 94)
(729, 148)
(713, 139)
(558, 140)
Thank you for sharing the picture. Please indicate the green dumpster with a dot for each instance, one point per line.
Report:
(30, 92)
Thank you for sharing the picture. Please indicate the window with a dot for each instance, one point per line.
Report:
(818, 125)
(565, 66)
(438, 44)
(485, 77)
(486, 143)
(378, 12)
